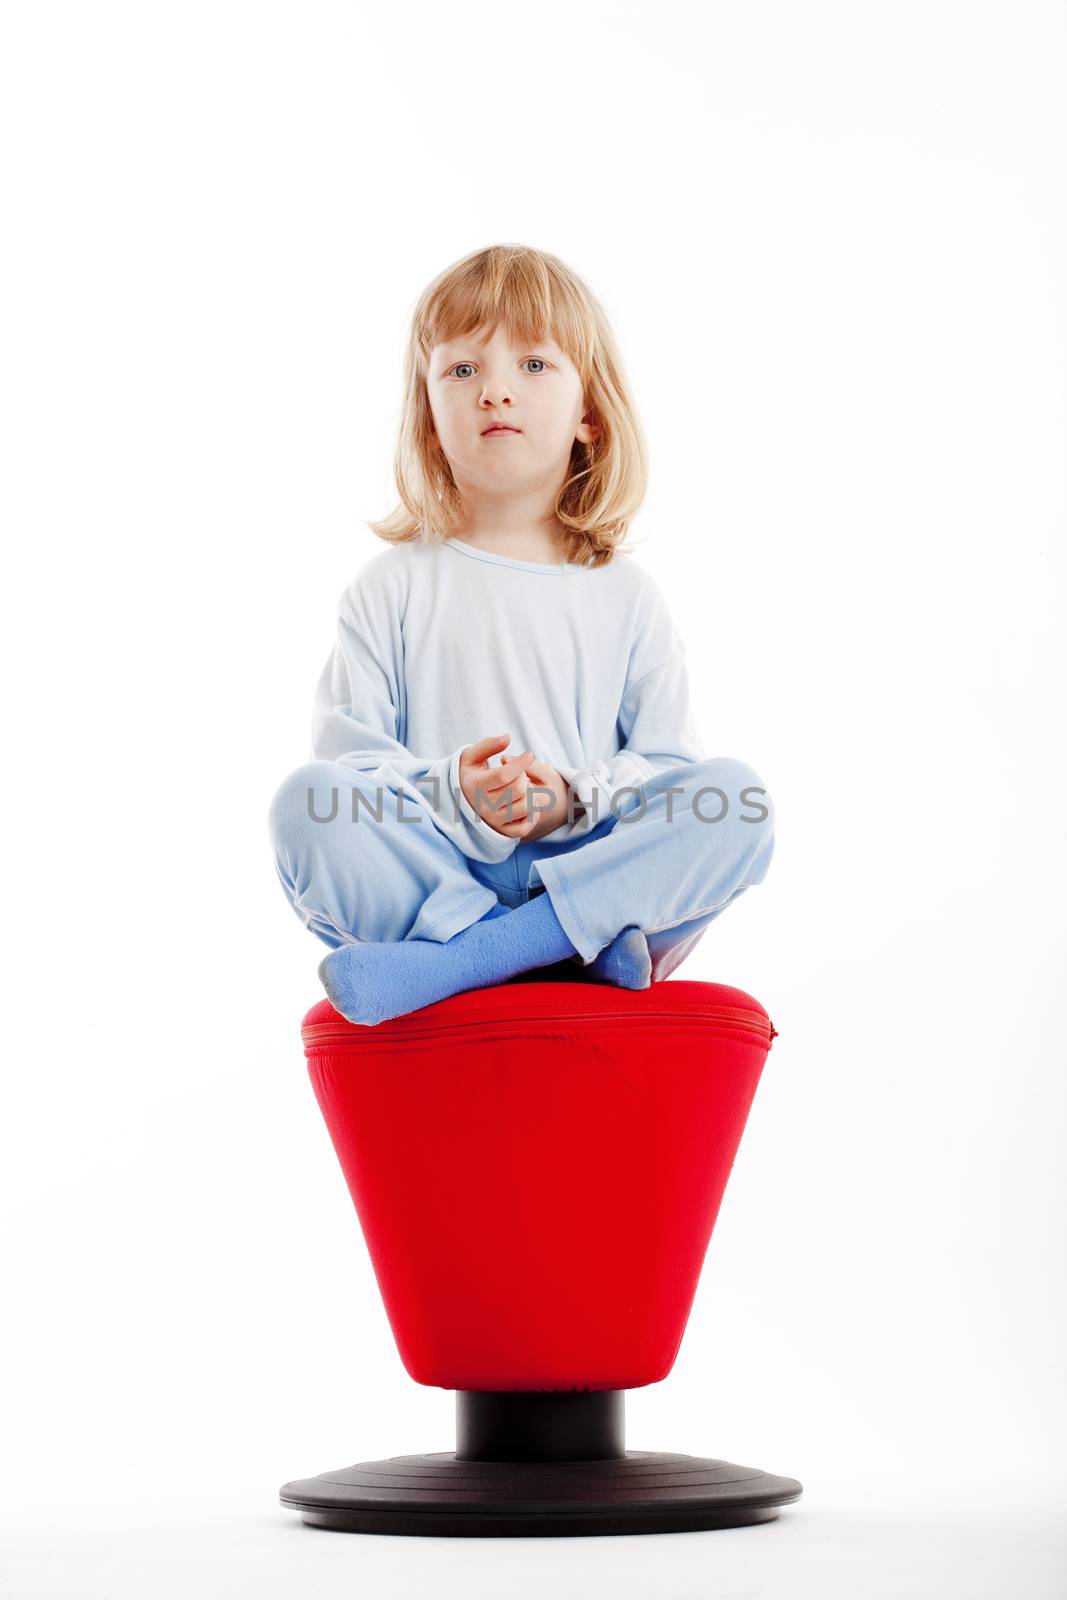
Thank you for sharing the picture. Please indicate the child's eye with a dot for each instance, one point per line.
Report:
(469, 365)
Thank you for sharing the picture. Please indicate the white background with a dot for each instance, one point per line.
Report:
(831, 241)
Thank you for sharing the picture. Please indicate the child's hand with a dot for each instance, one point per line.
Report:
(488, 789)
(539, 816)
(530, 815)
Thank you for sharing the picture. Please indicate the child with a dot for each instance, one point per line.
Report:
(505, 775)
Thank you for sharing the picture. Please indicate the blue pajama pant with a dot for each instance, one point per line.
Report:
(667, 863)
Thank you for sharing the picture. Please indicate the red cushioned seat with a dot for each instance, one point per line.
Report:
(537, 1169)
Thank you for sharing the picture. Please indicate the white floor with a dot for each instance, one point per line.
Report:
(811, 1550)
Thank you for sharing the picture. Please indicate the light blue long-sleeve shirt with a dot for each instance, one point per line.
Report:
(441, 644)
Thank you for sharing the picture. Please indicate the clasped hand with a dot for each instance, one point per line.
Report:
(488, 790)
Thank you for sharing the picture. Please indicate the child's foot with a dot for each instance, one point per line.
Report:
(370, 983)
(624, 962)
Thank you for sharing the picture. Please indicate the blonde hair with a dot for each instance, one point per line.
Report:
(531, 294)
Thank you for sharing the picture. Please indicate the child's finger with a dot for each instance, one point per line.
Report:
(508, 771)
(497, 798)
(511, 829)
(481, 748)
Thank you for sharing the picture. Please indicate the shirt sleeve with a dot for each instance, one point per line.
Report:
(359, 714)
(656, 724)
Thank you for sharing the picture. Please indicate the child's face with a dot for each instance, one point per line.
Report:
(535, 389)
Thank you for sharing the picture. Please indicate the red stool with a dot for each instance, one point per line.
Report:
(537, 1168)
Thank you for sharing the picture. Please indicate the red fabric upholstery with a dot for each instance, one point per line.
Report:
(537, 1169)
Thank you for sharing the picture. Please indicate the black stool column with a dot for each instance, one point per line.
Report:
(550, 1425)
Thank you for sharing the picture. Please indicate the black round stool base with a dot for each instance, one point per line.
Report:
(644, 1491)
